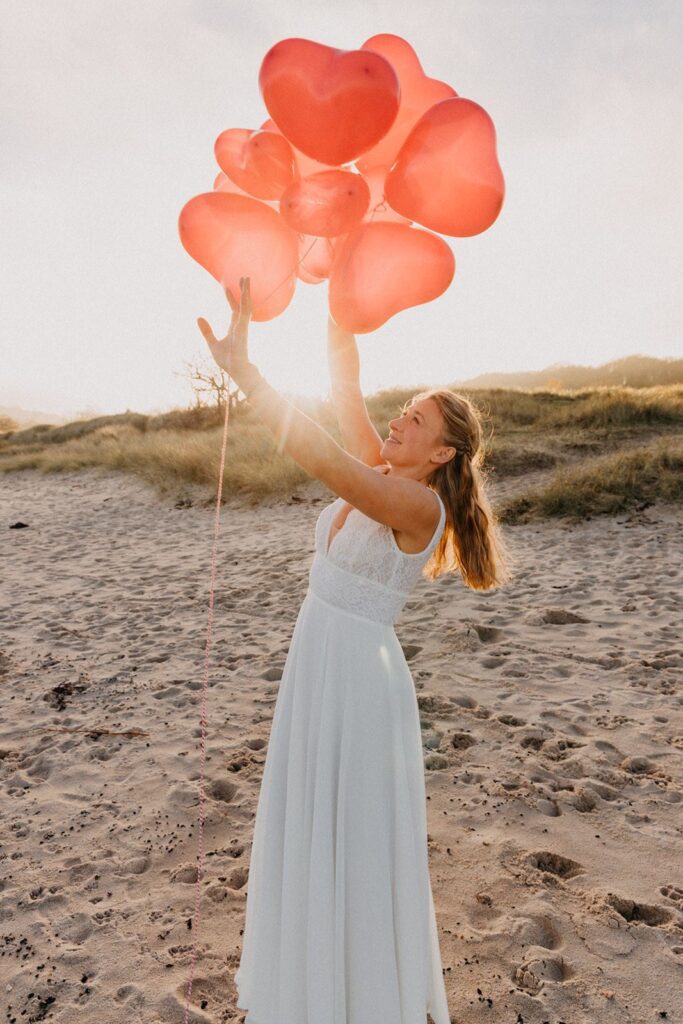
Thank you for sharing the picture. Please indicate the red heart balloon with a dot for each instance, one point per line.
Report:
(418, 94)
(383, 268)
(305, 164)
(222, 183)
(331, 104)
(234, 236)
(447, 176)
(261, 163)
(327, 203)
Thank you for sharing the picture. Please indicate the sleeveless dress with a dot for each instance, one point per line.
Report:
(339, 922)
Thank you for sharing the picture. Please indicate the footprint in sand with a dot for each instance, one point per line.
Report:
(432, 739)
(558, 749)
(533, 741)
(222, 789)
(637, 765)
(134, 866)
(492, 661)
(130, 994)
(488, 634)
(549, 807)
(76, 928)
(464, 700)
(432, 704)
(585, 800)
(80, 872)
(554, 864)
(515, 670)
(552, 617)
(167, 693)
(537, 930)
(210, 995)
(462, 740)
(536, 971)
(186, 874)
(511, 720)
(638, 913)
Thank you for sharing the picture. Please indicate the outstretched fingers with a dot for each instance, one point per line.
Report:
(234, 306)
(245, 296)
(206, 331)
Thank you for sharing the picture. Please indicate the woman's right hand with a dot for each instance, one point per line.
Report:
(231, 352)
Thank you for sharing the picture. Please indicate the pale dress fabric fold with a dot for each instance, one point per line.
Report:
(340, 925)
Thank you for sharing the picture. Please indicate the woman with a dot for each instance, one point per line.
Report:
(340, 925)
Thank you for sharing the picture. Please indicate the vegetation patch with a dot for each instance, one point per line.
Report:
(607, 484)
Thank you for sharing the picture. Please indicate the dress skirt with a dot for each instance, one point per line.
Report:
(339, 924)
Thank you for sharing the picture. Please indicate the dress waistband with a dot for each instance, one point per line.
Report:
(352, 593)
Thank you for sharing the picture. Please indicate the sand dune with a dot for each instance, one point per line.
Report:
(553, 736)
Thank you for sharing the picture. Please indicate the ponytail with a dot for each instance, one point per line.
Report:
(471, 542)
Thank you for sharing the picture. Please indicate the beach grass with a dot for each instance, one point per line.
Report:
(598, 449)
(633, 478)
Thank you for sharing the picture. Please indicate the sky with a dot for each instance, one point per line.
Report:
(110, 111)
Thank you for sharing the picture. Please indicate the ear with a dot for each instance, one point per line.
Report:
(443, 455)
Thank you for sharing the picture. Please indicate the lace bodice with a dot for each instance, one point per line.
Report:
(363, 570)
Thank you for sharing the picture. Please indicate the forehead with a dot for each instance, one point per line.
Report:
(428, 408)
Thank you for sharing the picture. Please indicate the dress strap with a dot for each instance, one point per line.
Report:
(441, 523)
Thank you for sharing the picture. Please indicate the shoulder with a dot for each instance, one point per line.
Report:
(418, 541)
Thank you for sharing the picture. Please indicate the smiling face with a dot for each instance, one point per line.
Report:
(414, 447)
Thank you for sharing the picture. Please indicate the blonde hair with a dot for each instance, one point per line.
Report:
(471, 542)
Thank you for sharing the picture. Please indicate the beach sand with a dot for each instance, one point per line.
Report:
(553, 735)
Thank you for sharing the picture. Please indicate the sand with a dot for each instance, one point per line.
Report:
(553, 735)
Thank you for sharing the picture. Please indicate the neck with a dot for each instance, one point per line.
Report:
(393, 471)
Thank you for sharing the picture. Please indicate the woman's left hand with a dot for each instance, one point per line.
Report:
(230, 352)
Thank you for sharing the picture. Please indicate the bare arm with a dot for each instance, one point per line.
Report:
(404, 504)
(357, 429)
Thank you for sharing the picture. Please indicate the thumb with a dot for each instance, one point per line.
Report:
(206, 330)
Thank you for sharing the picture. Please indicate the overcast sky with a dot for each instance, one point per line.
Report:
(109, 115)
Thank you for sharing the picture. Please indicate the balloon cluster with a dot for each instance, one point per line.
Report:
(360, 147)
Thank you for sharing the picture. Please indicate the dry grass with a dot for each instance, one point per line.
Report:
(524, 431)
(606, 484)
(550, 410)
(167, 458)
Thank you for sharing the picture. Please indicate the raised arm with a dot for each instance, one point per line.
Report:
(357, 429)
(398, 502)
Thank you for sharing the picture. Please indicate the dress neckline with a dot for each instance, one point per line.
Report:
(406, 554)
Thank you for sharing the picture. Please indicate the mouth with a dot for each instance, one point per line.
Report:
(392, 440)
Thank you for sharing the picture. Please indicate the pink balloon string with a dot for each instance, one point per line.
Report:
(195, 922)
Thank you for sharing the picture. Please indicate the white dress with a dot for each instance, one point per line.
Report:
(339, 923)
